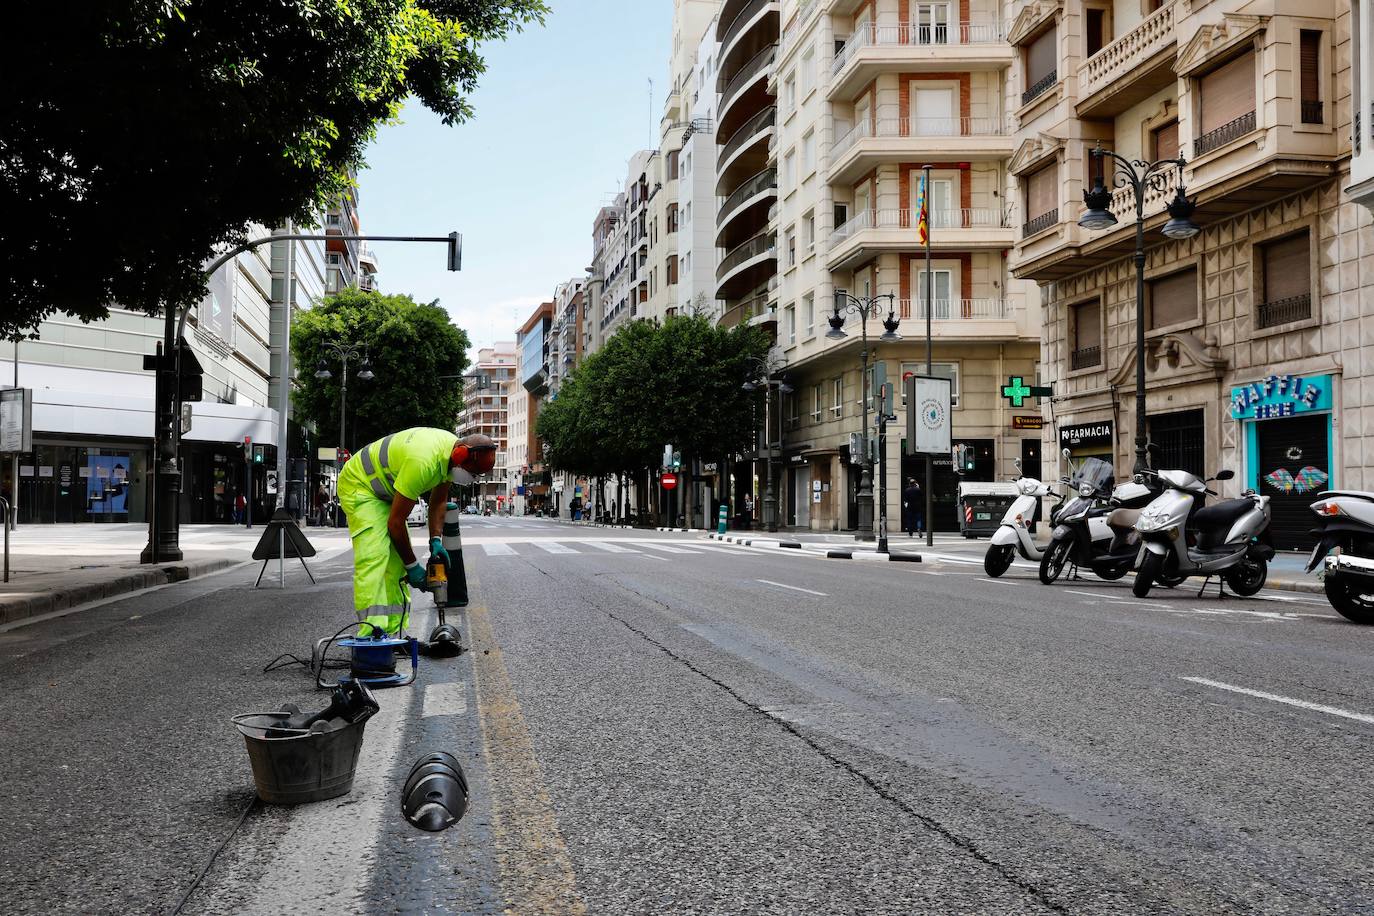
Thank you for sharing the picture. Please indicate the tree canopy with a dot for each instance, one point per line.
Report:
(649, 386)
(137, 137)
(410, 346)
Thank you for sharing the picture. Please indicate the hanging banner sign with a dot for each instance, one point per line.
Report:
(928, 422)
(1281, 396)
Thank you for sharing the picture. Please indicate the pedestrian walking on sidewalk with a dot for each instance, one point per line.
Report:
(913, 508)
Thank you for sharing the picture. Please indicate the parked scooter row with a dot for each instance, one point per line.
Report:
(1345, 524)
(1156, 523)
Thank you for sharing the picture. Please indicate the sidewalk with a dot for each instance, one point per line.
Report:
(55, 567)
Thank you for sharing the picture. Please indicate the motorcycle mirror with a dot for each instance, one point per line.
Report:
(1066, 453)
(1016, 463)
(1225, 475)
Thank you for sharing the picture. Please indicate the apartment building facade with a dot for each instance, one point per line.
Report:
(867, 94)
(1361, 187)
(533, 352)
(1256, 345)
(520, 444)
(485, 413)
(696, 190)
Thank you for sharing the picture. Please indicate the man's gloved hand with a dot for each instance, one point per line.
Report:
(437, 552)
(415, 574)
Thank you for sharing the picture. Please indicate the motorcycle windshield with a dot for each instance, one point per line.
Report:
(1096, 472)
(1074, 507)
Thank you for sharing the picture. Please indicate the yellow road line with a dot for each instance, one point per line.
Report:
(536, 871)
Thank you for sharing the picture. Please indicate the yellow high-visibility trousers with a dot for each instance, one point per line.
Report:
(379, 592)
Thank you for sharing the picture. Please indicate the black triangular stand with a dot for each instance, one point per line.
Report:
(283, 539)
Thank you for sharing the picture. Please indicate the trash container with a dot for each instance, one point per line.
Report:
(982, 505)
(298, 757)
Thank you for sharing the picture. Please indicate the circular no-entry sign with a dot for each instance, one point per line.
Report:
(669, 480)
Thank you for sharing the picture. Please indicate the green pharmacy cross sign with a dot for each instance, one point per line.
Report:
(1016, 391)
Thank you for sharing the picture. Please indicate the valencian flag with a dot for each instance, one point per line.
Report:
(922, 212)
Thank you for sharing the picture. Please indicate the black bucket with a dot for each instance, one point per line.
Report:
(298, 758)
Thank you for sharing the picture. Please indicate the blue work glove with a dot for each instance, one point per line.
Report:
(437, 552)
(415, 574)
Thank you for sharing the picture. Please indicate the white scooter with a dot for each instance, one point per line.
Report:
(1345, 524)
(1013, 535)
(1228, 539)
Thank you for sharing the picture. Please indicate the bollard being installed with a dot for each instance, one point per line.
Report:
(720, 519)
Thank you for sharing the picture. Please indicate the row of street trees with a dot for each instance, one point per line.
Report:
(651, 385)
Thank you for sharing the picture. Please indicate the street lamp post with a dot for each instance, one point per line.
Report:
(1140, 177)
(865, 307)
(344, 353)
(761, 376)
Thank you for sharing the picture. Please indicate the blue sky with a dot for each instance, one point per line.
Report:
(558, 114)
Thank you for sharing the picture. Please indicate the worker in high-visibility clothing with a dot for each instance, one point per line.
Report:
(378, 487)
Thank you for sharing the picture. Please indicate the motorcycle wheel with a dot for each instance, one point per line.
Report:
(1248, 578)
(997, 560)
(1055, 559)
(1150, 568)
(1113, 573)
(1349, 600)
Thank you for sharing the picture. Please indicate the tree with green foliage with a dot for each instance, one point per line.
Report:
(651, 385)
(139, 137)
(410, 346)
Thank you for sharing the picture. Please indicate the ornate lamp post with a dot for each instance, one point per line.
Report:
(864, 307)
(344, 353)
(761, 372)
(1140, 177)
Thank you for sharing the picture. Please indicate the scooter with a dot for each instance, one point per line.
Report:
(1345, 523)
(1096, 531)
(1228, 539)
(1013, 535)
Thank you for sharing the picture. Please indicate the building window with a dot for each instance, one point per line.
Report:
(1285, 267)
(809, 314)
(808, 71)
(671, 163)
(789, 95)
(670, 270)
(1097, 30)
(671, 218)
(932, 23)
(1040, 62)
(809, 230)
(1042, 199)
(841, 215)
(1309, 75)
(1164, 141)
(817, 402)
(789, 171)
(941, 285)
(791, 317)
(791, 238)
(837, 397)
(1171, 300)
(808, 154)
(1086, 318)
(1226, 103)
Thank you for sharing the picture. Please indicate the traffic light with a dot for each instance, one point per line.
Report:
(965, 458)
(677, 461)
(259, 452)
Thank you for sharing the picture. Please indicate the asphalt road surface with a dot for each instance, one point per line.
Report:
(657, 723)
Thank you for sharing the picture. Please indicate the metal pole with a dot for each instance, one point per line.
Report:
(343, 404)
(1142, 462)
(281, 557)
(930, 309)
(14, 462)
(5, 507)
(770, 499)
(866, 476)
(882, 472)
(284, 364)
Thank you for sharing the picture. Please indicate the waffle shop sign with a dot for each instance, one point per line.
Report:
(1280, 396)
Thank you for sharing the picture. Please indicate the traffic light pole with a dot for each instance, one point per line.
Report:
(164, 536)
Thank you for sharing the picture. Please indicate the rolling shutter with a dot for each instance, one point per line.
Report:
(1228, 92)
(1287, 268)
(1166, 141)
(1042, 57)
(1173, 299)
(1042, 192)
(1087, 325)
(1309, 54)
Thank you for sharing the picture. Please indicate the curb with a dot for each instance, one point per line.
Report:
(1296, 585)
(14, 608)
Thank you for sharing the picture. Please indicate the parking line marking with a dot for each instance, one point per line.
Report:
(449, 699)
(795, 588)
(1276, 698)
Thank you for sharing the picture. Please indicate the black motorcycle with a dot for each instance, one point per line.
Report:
(1345, 524)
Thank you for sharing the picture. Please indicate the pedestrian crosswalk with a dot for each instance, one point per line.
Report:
(510, 547)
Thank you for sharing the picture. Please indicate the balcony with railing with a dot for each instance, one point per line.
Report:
(871, 232)
(738, 27)
(746, 266)
(978, 44)
(749, 138)
(1040, 223)
(1085, 357)
(796, 24)
(1231, 130)
(748, 200)
(873, 142)
(1282, 311)
(753, 310)
(961, 318)
(1130, 69)
(754, 72)
(1040, 87)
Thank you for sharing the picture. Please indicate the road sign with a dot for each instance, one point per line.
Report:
(1021, 421)
(928, 416)
(1016, 391)
(669, 480)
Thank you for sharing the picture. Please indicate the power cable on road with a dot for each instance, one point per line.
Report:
(247, 809)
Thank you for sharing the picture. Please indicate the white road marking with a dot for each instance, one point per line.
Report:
(554, 547)
(795, 588)
(495, 549)
(610, 547)
(649, 556)
(449, 699)
(998, 581)
(1290, 701)
(666, 549)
